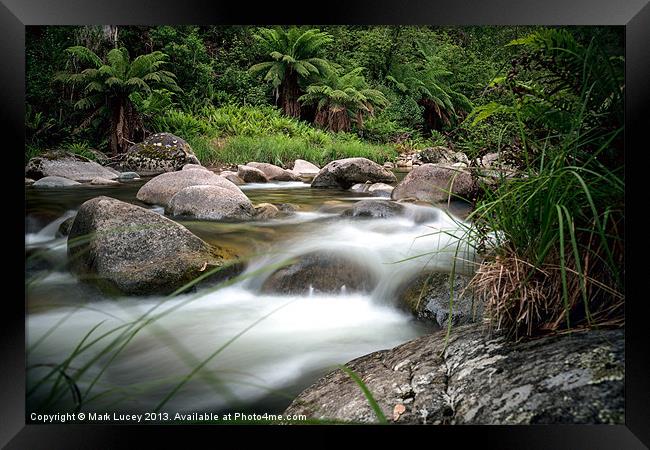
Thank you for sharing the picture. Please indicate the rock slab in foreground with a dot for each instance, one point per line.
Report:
(478, 379)
(67, 165)
(159, 153)
(344, 173)
(135, 250)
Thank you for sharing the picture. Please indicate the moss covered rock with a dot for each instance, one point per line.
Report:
(320, 272)
(344, 173)
(159, 153)
(477, 378)
(132, 250)
(433, 296)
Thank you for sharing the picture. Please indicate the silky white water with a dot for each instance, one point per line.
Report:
(234, 347)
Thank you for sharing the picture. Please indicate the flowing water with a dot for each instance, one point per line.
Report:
(276, 344)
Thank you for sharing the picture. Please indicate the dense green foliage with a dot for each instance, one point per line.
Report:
(410, 86)
(549, 100)
(558, 260)
(108, 88)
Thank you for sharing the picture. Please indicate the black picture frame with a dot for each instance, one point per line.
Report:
(633, 14)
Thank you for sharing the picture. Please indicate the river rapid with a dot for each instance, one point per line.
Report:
(229, 348)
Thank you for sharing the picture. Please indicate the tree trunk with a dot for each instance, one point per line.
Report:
(321, 118)
(289, 93)
(126, 126)
(339, 120)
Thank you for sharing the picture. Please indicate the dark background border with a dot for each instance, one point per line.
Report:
(15, 14)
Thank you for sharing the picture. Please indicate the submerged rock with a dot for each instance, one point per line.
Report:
(433, 183)
(375, 209)
(159, 153)
(160, 190)
(67, 165)
(103, 182)
(251, 174)
(361, 188)
(64, 228)
(429, 295)
(54, 182)
(125, 176)
(265, 211)
(209, 202)
(132, 250)
(287, 208)
(344, 173)
(323, 272)
(272, 172)
(381, 190)
(479, 379)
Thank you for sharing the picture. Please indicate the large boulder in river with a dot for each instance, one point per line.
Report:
(474, 378)
(433, 183)
(273, 173)
(344, 173)
(136, 251)
(209, 202)
(159, 153)
(435, 297)
(68, 165)
(160, 190)
(322, 272)
(251, 174)
(378, 209)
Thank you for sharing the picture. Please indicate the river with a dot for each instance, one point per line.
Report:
(255, 351)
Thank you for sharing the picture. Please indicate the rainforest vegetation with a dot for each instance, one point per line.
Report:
(530, 117)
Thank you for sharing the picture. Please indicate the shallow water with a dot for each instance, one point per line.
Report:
(293, 340)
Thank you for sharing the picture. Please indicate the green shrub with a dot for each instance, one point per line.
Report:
(262, 134)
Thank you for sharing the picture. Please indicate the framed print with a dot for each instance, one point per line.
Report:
(372, 215)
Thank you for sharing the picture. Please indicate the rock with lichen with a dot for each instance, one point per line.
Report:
(159, 153)
(128, 249)
(479, 378)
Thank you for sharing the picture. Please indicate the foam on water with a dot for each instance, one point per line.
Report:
(302, 338)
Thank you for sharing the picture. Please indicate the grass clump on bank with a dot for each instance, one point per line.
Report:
(237, 135)
(554, 235)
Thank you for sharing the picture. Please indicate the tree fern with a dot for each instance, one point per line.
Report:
(293, 59)
(107, 87)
